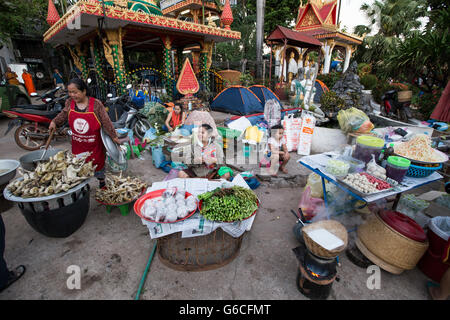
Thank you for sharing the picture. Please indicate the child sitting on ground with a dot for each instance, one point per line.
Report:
(279, 154)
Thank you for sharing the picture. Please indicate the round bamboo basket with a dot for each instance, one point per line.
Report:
(331, 226)
(394, 249)
(404, 96)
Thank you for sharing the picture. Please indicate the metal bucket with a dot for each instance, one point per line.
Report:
(29, 161)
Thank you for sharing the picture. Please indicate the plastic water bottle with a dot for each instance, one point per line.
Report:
(190, 106)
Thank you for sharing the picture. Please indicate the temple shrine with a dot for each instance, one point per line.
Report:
(316, 20)
(103, 32)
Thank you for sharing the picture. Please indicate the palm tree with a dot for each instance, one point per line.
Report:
(392, 20)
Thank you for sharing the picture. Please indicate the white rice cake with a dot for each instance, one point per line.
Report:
(325, 239)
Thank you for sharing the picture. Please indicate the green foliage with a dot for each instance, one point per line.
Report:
(277, 13)
(330, 102)
(369, 81)
(422, 54)
(395, 19)
(22, 17)
(246, 79)
(330, 78)
(426, 103)
(380, 89)
(363, 69)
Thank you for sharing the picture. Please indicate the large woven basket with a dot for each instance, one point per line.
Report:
(388, 248)
(404, 96)
(331, 226)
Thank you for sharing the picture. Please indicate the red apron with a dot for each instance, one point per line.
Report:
(175, 121)
(86, 135)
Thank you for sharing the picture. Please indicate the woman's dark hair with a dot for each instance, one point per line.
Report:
(80, 84)
(207, 127)
(277, 126)
(181, 108)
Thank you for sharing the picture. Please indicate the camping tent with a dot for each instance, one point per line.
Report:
(264, 93)
(321, 88)
(237, 100)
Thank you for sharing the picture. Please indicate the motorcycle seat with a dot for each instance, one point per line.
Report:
(48, 114)
(32, 106)
(121, 122)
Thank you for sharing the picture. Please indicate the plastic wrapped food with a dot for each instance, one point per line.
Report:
(180, 203)
(171, 217)
(182, 212)
(180, 196)
(149, 211)
(191, 205)
(337, 168)
(169, 201)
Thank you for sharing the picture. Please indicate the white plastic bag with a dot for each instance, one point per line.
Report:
(292, 128)
(306, 134)
(441, 227)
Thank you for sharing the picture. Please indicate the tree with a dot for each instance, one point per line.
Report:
(395, 20)
(22, 17)
(424, 54)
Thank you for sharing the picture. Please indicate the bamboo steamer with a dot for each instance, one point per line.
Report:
(388, 248)
(331, 226)
(404, 96)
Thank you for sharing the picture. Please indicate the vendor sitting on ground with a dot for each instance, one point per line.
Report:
(175, 119)
(206, 155)
(279, 154)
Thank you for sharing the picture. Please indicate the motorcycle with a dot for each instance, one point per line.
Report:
(125, 115)
(33, 121)
(394, 108)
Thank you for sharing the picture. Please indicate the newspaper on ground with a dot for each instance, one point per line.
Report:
(197, 225)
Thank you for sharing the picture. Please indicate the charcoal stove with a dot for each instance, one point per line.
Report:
(315, 275)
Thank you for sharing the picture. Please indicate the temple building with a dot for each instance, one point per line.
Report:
(317, 19)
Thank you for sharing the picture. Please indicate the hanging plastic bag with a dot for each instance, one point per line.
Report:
(292, 128)
(354, 120)
(272, 112)
(158, 156)
(309, 205)
(315, 183)
(374, 169)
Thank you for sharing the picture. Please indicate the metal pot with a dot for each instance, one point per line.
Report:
(11, 167)
(30, 160)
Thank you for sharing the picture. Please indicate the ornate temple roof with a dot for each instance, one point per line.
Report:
(318, 18)
(81, 21)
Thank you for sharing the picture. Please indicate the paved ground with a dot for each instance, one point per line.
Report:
(112, 252)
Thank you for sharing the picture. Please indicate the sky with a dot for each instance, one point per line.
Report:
(351, 16)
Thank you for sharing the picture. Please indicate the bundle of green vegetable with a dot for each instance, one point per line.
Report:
(228, 204)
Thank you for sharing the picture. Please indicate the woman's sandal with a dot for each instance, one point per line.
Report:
(430, 285)
(14, 276)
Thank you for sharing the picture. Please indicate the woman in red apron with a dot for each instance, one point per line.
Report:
(176, 118)
(86, 116)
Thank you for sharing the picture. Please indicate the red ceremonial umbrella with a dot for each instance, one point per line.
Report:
(442, 110)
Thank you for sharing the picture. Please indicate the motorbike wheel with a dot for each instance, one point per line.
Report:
(140, 128)
(30, 143)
